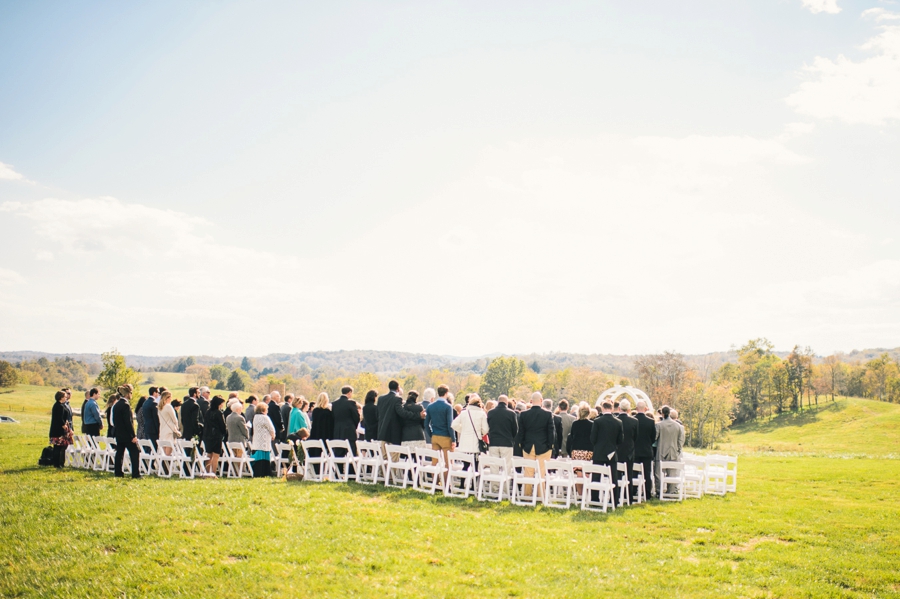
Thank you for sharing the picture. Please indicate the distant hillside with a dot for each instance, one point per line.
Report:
(849, 426)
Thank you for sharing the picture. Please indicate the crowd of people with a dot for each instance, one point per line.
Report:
(607, 433)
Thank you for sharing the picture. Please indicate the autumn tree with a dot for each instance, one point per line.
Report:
(502, 374)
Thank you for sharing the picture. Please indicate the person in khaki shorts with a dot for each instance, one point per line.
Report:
(438, 421)
(537, 436)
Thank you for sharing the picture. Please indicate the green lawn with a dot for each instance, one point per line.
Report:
(799, 526)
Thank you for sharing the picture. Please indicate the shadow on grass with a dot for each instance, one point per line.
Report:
(807, 416)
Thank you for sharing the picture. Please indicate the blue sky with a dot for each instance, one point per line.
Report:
(452, 178)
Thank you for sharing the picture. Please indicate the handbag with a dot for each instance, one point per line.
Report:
(483, 441)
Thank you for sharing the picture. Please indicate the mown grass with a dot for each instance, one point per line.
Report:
(798, 527)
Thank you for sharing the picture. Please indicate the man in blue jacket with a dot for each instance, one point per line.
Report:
(438, 419)
(90, 416)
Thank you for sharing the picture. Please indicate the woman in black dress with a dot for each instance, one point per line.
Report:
(370, 415)
(322, 426)
(214, 433)
(60, 429)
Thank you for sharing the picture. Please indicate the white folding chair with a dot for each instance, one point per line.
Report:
(521, 495)
(640, 484)
(340, 465)
(694, 476)
(193, 462)
(461, 474)
(148, 460)
(166, 465)
(110, 453)
(559, 484)
(370, 463)
(671, 474)
(494, 479)
(322, 461)
(731, 478)
(623, 483)
(716, 475)
(430, 470)
(401, 467)
(101, 454)
(239, 460)
(88, 452)
(603, 486)
(282, 461)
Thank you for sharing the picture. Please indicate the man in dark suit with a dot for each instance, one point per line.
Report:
(643, 445)
(191, 424)
(203, 401)
(391, 415)
(537, 435)
(504, 427)
(607, 435)
(150, 409)
(126, 439)
(346, 417)
(275, 414)
(625, 450)
(286, 408)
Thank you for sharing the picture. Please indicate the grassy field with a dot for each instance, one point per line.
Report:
(799, 526)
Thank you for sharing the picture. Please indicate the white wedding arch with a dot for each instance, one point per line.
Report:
(633, 392)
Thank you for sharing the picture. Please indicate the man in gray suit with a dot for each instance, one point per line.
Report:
(669, 440)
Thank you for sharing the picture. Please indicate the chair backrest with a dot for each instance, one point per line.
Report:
(522, 463)
(602, 469)
(398, 453)
(696, 462)
(280, 448)
(233, 446)
(486, 461)
(458, 459)
(146, 446)
(679, 466)
(337, 444)
(163, 444)
(622, 467)
(367, 450)
(425, 456)
(559, 469)
(638, 468)
(312, 444)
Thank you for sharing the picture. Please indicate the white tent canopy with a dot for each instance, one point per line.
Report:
(632, 392)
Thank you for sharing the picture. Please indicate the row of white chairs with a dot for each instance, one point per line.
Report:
(562, 483)
(696, 475)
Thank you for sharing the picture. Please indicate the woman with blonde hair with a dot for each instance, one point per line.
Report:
(322, 427)
(261, 446)
(168, 421)
(471, 427)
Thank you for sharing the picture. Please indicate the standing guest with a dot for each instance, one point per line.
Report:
(233, 395)
(322, 426)
(126, 439)
(298, 425)
(504, 428)
(471, 427)
(370, 415)
(563, 423)
(68, 392)
(670, 439)
(391, 415)
(151, 416)
(139, 416)
(489, 405)
(537, 436)
(673, 414)
(90, 414)
(413, 430)
(345, 412)
(274, 413)
(578, 444)
(261, 446)
(606, 436)
(285, 407)
(625, 450)
(214, 433)
(168, 421)
(428, 396)
(60, 430)
(110, 404)
(83, 407)
(643, 444)
(439, 422)
(249, 411)
(191, 421)
(203, 402)
(236, 426)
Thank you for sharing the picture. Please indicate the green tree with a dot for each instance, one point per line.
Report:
(219, 374)
(8, 375)
(502, 374)
(239, 380)
(246, 364)
(116, 373)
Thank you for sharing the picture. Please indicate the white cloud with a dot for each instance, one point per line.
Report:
(720, 151)
(10, 277)
(856, 92)
(7, 172)
(44, 256)
(817, 6)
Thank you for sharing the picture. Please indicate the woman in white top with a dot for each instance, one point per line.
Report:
(471, 425)
(168, 421)
(261, 445)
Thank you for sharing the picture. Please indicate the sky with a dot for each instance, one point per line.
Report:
(460, 178)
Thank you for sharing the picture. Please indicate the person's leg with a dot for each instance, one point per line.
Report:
(542, 462)
(59, 455)
(134, 452)
(213, 464)
(529, 455)
(120, 455)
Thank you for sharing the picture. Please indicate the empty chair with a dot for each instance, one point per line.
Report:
(525, 488)
(167, 465)
(623, 484)
(88, 452)
(370, 464)
(103, 455)
(148, 458)
(430, 470)
(603, 487)
(494, 478)
(694, 476)
(671, 481)
(316, 468)
(559, 483)
(340, 459)
(731, 478)
(461, 474)
(716, 475)
(400, 467)
(639, 482)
